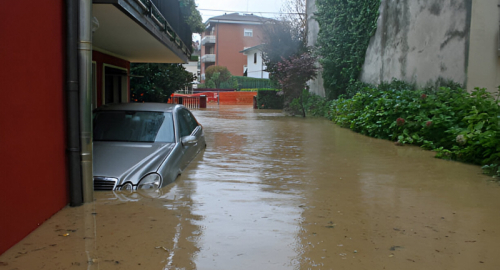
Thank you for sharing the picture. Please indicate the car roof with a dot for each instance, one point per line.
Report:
(150, 106)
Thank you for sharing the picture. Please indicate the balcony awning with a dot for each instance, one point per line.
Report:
(126, 32)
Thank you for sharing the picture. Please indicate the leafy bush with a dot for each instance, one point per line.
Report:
(154, 82)
(217, 75)
(269, 99)
(456, 124)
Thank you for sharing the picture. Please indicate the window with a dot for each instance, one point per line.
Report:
(187, 122)
(255, 58)
(115, 85)
(248, 33)
(133, 126)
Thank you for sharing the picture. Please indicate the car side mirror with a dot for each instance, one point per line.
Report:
(189, 140)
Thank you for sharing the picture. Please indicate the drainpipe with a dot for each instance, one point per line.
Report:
(72, 108)
(85, 83)
(217, 44)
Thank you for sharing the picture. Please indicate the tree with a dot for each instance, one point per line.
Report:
(292, 74)
(287, 57)
(217, 74)
(192, 16)
(151, 82)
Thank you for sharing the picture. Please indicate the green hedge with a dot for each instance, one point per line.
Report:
(456, 124)
(258, 89)
(269, 99)
(247, 82)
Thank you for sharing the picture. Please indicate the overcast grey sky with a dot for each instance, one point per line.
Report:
(212, 8)
(257, 7)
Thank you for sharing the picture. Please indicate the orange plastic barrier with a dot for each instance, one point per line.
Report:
(236, 98)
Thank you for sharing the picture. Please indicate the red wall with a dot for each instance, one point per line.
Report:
(229, 42)
(101, 59)
(32, 126)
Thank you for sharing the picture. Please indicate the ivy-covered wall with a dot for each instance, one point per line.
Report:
(420, 42)
(345, 31)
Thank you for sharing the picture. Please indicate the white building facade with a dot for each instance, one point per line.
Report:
(255, 64)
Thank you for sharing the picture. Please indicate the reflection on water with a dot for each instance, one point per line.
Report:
(277, 192)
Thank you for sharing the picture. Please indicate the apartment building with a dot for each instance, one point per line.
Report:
(225, 37)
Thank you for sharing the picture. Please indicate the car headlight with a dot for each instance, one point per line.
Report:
(150, 181)
(126, 187)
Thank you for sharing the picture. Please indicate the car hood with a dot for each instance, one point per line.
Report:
(128, 161)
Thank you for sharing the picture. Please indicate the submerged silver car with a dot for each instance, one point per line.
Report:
(143, 145)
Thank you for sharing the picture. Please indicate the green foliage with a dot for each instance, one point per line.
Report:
(258, 89)
(345, 31)
(192, 16)
(210, 84)
(314, 105)
(248, 82)
(217, 75)
(269, 99)
(293, 73)
(456, 124)
(157, 82)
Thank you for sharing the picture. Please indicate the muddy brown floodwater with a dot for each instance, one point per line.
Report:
(277, 192)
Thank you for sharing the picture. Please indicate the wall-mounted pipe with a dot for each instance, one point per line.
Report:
(72, 106)
(85, 83)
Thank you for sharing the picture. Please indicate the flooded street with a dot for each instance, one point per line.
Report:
(278, 192)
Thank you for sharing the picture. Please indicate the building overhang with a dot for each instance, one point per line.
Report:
(125, 31)
(251, 50)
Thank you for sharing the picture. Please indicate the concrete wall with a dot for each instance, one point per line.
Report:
(420, 41)
(316, 85)
(484, 63)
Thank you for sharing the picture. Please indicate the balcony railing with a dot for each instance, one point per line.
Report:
(208, 58)
(175, 27)
(208, 40)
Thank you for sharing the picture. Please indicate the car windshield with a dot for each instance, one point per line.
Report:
(133, 126)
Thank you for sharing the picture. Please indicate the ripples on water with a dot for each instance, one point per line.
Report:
(278, 192)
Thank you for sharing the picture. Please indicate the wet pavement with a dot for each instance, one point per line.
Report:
(278, 192)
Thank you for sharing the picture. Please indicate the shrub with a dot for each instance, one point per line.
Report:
(456, 124)
(269, 99)
(217, 74)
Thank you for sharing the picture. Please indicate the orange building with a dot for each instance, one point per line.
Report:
(225, 36)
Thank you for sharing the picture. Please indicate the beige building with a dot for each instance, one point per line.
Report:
(426, 42)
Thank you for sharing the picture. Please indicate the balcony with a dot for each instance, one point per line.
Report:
(208, 58)
(208, 40)
(142, 30)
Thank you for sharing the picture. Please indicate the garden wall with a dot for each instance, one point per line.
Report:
(420, 42)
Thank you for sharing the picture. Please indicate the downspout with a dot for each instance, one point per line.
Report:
(85, 83)
(261, 66)
(72, 108)
(217, 45)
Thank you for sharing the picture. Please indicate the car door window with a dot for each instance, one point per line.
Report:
(184, 127)
(191, 120)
